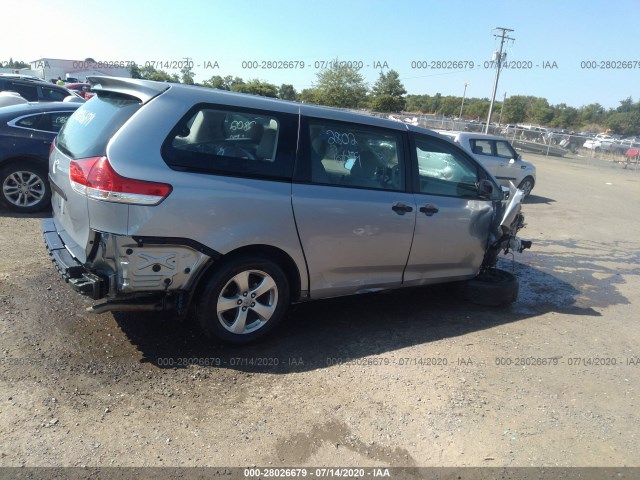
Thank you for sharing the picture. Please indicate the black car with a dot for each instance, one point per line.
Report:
(26, 132)
(33, 90)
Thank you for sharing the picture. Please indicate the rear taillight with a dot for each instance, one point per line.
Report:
(95, 178)
(51, 147)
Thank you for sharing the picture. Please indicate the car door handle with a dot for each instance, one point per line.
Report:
(429, 209)
(401, 208)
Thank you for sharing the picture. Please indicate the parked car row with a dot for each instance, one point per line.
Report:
(26, 133)
(571, 141)
(599, 142)
(34, 90)
(608, 143)
(32, 112)
(228, 207)
(628, 147)
(82, 89)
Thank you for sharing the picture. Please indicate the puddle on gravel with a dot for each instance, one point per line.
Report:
(576, 276)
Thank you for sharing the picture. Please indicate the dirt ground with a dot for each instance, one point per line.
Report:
(410, 378)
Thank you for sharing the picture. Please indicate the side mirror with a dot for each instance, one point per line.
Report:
(506, 192)
(485, 189)
(512, 161)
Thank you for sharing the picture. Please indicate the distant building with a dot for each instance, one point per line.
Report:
(74, 70)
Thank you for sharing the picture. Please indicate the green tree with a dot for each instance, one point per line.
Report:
(223, 83)
(387, 94)
(593, 113)
(187, 75)
(309, 95)
(216, 82)
(564, 116)
(134, 70)
(287, 92)
(515, 109)
(450, 106)
(17, 64)
(416, 103)
(256, 87)
(148, 72)
(539, 111)
(627, 105)
(340, 85)
(435, 103)
(478, 108)
(624, 123)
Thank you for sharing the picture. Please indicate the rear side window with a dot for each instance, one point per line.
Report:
(231, 141)
(90, 128)
(30, 121)
(53, 94)
(53, 122)
(48, 122)
(29, 92)
(481, 147)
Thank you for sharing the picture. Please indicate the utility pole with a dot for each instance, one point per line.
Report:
(464, 94)
(504, 99)
(498, 58)
(186, 71)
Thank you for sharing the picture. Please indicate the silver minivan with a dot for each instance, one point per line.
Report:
(228, 207)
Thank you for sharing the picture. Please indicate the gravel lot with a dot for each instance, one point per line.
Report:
(410, 378)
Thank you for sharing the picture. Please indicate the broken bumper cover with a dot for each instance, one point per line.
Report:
(72, 271)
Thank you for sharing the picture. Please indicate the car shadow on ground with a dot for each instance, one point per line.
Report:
(4, 212)
(316, 334)
(537, 199)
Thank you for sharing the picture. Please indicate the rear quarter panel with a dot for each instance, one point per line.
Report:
(222, 212)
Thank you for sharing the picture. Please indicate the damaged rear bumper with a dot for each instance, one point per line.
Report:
(72, 271)
(131, 273)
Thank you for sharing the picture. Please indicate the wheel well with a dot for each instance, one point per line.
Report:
(279, 256)
(533, 181)
(35, 162)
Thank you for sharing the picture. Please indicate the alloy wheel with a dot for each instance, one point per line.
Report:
(23, 188)
(247, 301)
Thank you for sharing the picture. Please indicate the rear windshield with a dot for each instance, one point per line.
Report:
(90, 128)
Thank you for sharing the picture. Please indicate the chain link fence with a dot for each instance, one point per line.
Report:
(536, 140)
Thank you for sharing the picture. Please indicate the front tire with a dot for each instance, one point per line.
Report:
(243, 300)
(24, 187)
(526, 186)
(493, 287)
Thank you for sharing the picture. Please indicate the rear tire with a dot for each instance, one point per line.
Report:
(24, 187)
(493, 287)
(243, 300)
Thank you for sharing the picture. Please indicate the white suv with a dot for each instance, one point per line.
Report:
(497, 155)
